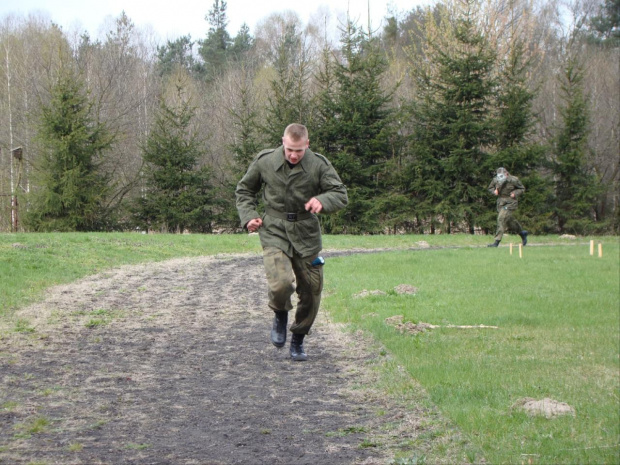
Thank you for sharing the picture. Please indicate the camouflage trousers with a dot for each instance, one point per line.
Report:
(506, 223)
(286, 275)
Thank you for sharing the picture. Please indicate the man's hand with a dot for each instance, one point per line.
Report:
(512, 194)
(313, 205)
(254, 225)
(496, 192)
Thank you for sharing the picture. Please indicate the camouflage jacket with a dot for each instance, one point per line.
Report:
(511, 185)
(285, 191)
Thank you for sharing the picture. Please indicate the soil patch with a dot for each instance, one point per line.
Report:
(549, 408)
(170, 363)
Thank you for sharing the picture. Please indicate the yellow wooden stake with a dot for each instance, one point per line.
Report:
(520, 250)
(600, 250)
(591, 247)
(511, 248)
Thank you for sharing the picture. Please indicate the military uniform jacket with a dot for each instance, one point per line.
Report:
(286, 190)
(511, 185)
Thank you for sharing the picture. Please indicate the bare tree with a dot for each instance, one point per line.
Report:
(122, 81)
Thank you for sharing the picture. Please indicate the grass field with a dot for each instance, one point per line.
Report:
(29, 263)
(557, 316)
(32, 262)
(556, 311)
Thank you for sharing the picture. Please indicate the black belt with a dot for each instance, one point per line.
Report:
(288, 216)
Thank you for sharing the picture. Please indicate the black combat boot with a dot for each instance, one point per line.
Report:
(297, 348)
(278, 331)
(523, 235)
(494, 244)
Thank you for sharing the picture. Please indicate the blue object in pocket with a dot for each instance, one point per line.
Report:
(318, 261)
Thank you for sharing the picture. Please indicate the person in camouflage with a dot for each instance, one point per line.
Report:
(507, 188)
(297, 185)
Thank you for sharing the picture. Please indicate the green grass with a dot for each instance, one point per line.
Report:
(32, 262)
(75, 447)
(101, 317)
(557, 310)
(33, 426)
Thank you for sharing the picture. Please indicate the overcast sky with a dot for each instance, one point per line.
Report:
(173, 18)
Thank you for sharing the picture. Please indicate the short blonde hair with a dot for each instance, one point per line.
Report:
(296, 132)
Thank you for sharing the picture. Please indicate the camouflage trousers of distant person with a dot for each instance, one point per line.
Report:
(506, 223)
(286, 275)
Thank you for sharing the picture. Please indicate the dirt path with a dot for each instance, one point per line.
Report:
(170, 363)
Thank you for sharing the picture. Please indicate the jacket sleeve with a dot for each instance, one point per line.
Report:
(333, 194)
(246, 194)
(492, 187)
(518, 187)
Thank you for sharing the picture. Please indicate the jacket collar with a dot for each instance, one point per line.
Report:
(279, 160)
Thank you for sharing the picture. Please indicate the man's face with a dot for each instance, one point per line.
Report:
(294, 150)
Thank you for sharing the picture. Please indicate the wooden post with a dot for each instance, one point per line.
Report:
(511, 248)
(520, 250)
(600, 250)
(591, 247)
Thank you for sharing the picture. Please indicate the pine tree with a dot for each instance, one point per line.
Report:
(355, 129)
(241, 44)
(605, 27)
(452, 123)
(72, 187)
(245, 114)
(323, 126)
(177, 195)
(576, 186)
(246, 137)
(289, 100)
(515, 149)
(214, 49)
(178, 54)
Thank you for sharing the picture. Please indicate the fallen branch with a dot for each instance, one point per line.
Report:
(407, 326)
(469, 326)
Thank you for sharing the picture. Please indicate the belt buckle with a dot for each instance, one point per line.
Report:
(291, 217)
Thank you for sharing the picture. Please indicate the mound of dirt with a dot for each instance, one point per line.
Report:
(546, 407)
(406, 289)
(407, 326)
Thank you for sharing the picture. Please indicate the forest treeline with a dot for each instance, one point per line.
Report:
(123, 132)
